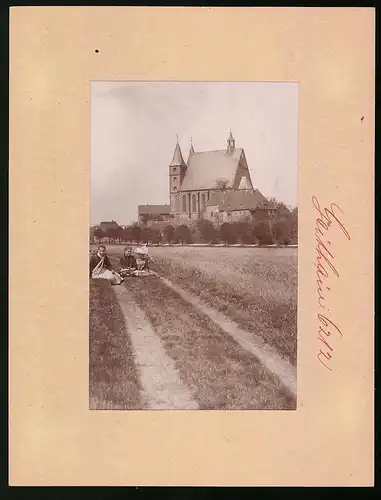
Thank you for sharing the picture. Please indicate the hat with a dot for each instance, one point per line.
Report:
(142, 250)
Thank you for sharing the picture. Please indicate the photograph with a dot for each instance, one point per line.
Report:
(193, 245)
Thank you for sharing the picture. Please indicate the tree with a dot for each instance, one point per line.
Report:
(136, 233)
(282, 231)
(146, 234)
(119, 231)
(278, 230)
(221, 184)
(207, 230)
(111, 233)
(263, 234)
(294, 225)
(169, 232)
(156, 236)
(245, 232)
(99, 233)
(227, 233)
(145, 218)
(128, 234)
(183, 234)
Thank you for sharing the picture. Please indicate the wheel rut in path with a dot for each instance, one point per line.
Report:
(162, 386)
(268, 356)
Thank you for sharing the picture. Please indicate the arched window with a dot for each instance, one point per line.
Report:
(184, 203)
(194, 203)
(203, 202)
(175, 179)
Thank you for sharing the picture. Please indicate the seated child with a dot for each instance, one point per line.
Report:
(100, 267)
(127, 262)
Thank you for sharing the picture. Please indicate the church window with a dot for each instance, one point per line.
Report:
(174, 169)
(194, 203)
(184, 203)
(175, 179)
(203, 201)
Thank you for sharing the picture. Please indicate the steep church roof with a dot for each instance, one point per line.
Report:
(243, 200)
(177, 157)
(206, 168)
(191, 151)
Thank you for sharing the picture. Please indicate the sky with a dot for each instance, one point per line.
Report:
(133, 137)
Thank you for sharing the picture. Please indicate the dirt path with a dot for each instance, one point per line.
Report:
(284, 370)
(162, 387)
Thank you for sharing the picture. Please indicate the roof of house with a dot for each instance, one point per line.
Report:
(283, 210)
(236, 200)
(206, 168)
(215, 198)
(154, 209)
(106, 224)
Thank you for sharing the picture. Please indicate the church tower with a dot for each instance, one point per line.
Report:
(231, 144)
(177, 169)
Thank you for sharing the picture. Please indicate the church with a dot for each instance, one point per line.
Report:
(214, 185)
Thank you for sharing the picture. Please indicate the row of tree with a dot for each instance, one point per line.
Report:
(264, 232)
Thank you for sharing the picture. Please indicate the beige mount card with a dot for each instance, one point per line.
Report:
(56, 56)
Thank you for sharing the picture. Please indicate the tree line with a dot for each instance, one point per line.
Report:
(263, 231)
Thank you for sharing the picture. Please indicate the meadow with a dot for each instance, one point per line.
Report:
(256, 287)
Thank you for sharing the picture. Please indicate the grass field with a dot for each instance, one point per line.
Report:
(257, 288)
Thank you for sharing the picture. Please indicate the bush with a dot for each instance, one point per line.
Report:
(183, 234)
(207, 230)
(156, 236)
(227, 233)
(169, 233)
(263, 234)
(146, 235)
(136, 234)
(244, 232)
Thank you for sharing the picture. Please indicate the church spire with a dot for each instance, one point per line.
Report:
(191, 151)
(231, 143)
(177, 159)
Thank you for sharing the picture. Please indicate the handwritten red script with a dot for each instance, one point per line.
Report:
(326, 220)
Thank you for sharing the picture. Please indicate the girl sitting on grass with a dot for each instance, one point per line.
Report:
(127, 263)
(142, 259)
(100, 267)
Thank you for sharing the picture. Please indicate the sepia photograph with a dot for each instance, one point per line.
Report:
(193, 246)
